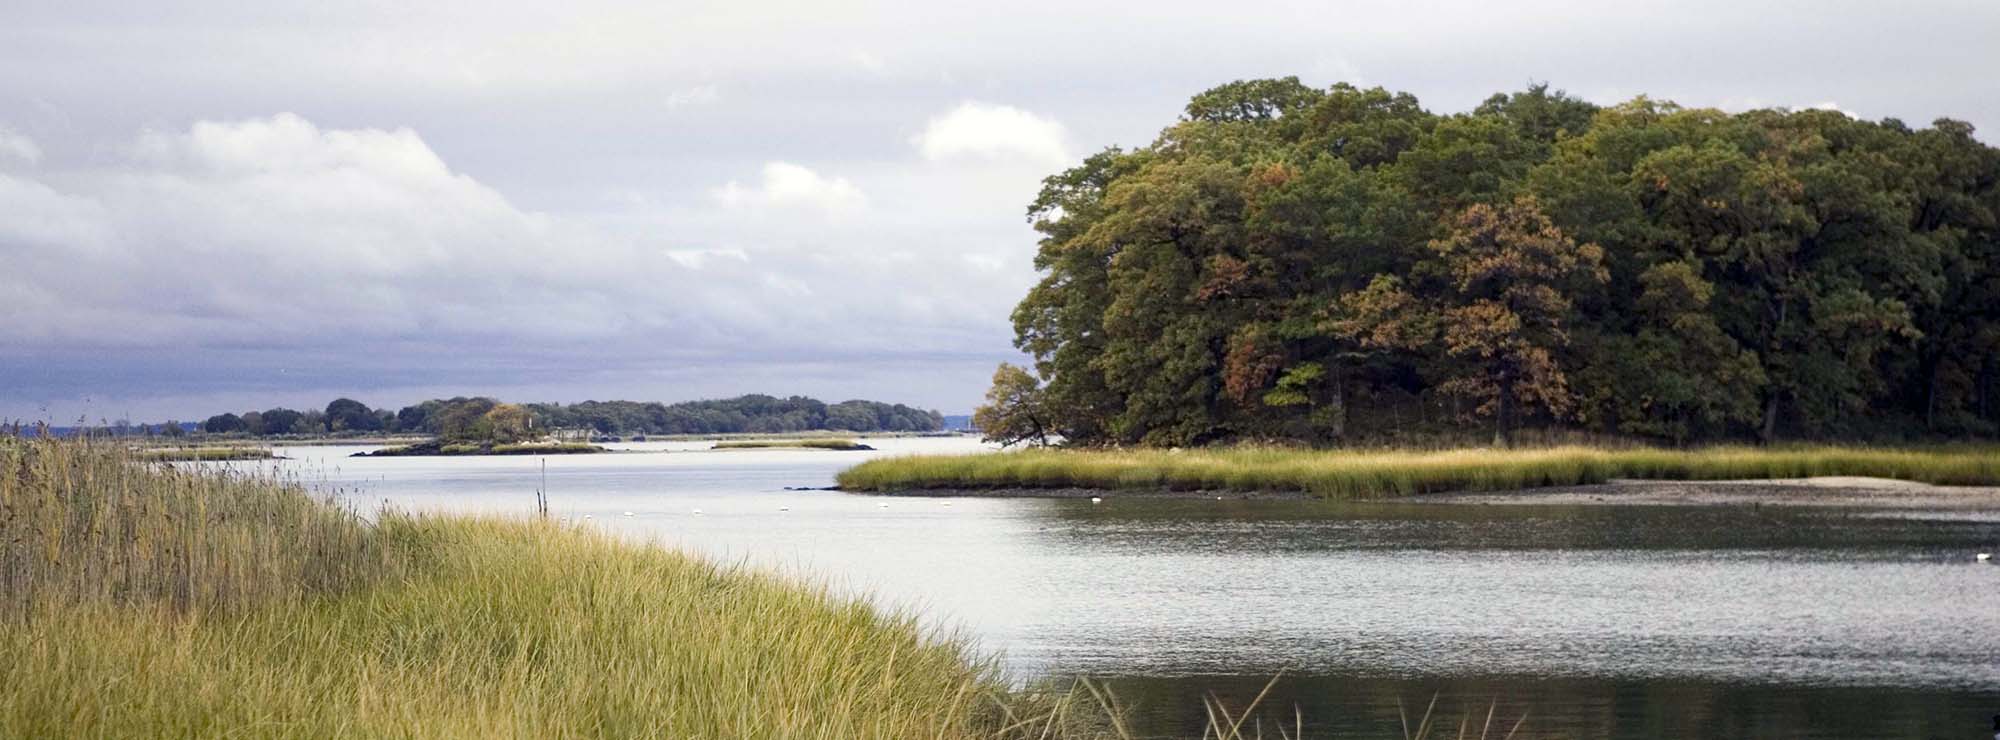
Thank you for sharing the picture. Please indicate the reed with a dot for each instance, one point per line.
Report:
(1366, 474)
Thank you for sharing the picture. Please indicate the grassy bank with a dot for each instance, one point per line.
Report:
(138, 600)
(810, 444)
(434, 448)
(203, 454)
(1362, 474)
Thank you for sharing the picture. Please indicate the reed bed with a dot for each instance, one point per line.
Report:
(85, 522)
(1369, 474)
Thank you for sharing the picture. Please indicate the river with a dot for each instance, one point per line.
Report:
(1594, 620)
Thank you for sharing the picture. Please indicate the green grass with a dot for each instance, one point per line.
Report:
(203, 454)
(812, 444)
(1364, 474)
(138, 600)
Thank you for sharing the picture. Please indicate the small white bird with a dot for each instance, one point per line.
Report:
(1096, 500)
(628, 513)
(697, 512)
(883, 505)
(1984, 556)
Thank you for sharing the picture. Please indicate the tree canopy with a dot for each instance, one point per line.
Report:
(1286, 262)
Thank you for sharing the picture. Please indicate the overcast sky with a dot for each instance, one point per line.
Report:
(223, 206)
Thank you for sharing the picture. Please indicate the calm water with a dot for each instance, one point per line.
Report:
(1601, 621)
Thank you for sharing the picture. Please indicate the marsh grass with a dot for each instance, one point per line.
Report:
(1365, 474)
(142, 600)
(812, 444)
(88, 522)
(202, 454)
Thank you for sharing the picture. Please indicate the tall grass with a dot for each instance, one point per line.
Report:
(1362, 474)
(142, 601)
(85, 522)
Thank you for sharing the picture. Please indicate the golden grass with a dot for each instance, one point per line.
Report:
(202, 454)
(815, 444)
(144, 601)
(1363, 474)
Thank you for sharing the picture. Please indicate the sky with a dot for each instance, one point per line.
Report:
(215, 206)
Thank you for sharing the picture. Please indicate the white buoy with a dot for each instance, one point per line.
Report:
(1985, 556)
(1096, 500)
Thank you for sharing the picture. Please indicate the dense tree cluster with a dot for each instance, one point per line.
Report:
(751, 413)
(1326, 265)
(486, 418)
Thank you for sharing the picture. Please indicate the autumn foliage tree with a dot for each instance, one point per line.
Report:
(1497, 312)
(1014, 410)
(1321, 265)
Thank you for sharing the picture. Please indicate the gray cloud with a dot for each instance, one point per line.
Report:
(211, 204)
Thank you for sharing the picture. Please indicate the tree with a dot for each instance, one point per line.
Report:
(504, 423)
(280, 421)
(457, 420)
(1500, 310)
(1014, 409)
(223, 424)
(347, 414)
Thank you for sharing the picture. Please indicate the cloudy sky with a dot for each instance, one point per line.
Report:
(213, 206)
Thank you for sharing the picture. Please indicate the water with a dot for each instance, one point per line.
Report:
(1598, 621)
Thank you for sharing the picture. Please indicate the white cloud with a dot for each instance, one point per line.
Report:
(360, 253)
(785, 184)
(18, 148)
(869, 62)
(986, 130)
(694, 259)
(696, 95)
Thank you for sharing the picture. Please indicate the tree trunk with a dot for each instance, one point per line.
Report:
(1986, 389)
(1339, 403)
(1769, 433)
(1503, 432)
(1933, 365)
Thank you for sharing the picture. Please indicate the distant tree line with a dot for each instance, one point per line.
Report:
(752, 413)
(1327, 265)
(487, 418)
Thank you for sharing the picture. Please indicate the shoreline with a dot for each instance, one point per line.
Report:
(1830, 491)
